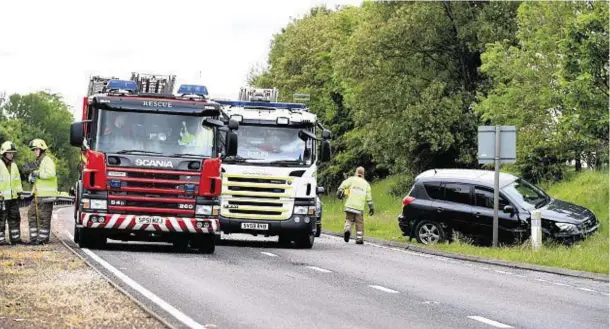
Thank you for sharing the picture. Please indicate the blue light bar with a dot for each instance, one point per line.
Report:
(122, 84)
(193, 90)
(264, 104)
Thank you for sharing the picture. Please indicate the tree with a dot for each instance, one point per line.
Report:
(41, 115)
(553, 83)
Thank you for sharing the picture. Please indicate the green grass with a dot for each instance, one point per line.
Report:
(588, 189)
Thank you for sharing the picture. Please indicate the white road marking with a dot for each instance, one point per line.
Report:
(561, 284)
(268, 254)
(542, 280)
(185, 319)
(489, 322)
(587, 289)
(503, 272)
(388, 290)
(319, 269)
(520, 276)
(430, 302)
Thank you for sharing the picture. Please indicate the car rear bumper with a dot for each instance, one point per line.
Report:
(405, 225)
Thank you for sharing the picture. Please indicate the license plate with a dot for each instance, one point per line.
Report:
(150, 220)
(254, 226)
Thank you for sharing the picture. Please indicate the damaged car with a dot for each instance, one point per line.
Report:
(442, 201)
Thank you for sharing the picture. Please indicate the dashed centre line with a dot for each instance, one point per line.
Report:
(384, 289)
(319, 269)
(268, 254)
(489, 322)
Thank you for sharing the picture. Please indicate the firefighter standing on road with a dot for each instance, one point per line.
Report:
(10, 190)
(44, 179)
(358, 193)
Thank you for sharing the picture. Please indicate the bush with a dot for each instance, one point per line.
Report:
(401, 185)
(544, 163)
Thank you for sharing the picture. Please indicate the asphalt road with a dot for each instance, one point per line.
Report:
(253, 283)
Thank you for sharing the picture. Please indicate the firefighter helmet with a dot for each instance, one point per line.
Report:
(7, 146)
(38, 144)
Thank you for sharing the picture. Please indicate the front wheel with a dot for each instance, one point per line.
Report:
(318, 230)
(429, 232)
(207, 244)
(76, 236)
(88, 239)
(305, 241)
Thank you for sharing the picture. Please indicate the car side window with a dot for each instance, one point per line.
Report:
(459, 193)
(485, 198)
(434, 190)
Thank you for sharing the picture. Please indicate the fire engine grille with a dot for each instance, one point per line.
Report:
(164, 193)
(255, 197)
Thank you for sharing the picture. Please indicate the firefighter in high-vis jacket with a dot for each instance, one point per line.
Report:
(10, 190)
(358, 192)
(44, 179)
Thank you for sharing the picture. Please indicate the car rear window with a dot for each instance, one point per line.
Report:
(434, 190)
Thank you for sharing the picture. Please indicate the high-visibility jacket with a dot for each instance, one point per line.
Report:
(46, 182)
(10, 182)
(358, 193)
(204, 139)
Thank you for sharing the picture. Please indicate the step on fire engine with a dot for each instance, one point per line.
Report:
(150, 167)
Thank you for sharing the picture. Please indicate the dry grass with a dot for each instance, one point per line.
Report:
(49, 287)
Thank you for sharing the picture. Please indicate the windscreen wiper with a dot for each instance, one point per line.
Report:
(188, 155)
(297, 162)
(137, 151)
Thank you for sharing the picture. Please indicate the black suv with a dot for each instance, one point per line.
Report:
(445, 200)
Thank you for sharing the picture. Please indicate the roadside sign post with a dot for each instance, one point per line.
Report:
(497, 145)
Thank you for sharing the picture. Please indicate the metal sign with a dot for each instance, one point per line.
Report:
(497, 144)
(487, 144)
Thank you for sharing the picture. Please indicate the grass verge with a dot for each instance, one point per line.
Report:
(49, 287)
(588, 189)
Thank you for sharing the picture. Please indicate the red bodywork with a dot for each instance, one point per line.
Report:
(95, 178)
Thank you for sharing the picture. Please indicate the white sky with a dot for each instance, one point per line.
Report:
(57, 45)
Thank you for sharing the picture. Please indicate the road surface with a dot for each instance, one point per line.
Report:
(252, 282)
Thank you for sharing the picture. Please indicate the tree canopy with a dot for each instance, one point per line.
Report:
(404, 85)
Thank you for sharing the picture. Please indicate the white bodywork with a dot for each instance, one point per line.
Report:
(281, 187)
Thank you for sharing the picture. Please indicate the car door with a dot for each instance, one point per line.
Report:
(455, 207)
(483, 212)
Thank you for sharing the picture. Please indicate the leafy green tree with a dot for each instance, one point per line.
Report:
(41, 115)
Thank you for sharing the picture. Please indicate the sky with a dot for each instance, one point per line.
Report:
(58, 45)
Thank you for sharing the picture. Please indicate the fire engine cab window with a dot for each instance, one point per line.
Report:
(160, 133)
(267, 144)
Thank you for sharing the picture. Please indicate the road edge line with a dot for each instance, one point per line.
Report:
(145, 308)
(477, 259)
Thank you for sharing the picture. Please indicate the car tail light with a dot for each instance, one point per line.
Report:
(407, 200)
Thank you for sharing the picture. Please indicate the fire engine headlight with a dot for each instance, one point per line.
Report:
(98, 204)
(300, 210)
(203, 210)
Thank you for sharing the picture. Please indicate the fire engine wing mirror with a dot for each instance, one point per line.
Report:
(320, 190)
(231, 146)
(209, 122)
(325, 151)
(305, 135)
(77, 133)
(233, 124)
(327, 134)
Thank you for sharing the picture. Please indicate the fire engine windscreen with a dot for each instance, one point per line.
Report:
(265, 144)
(165, 134)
